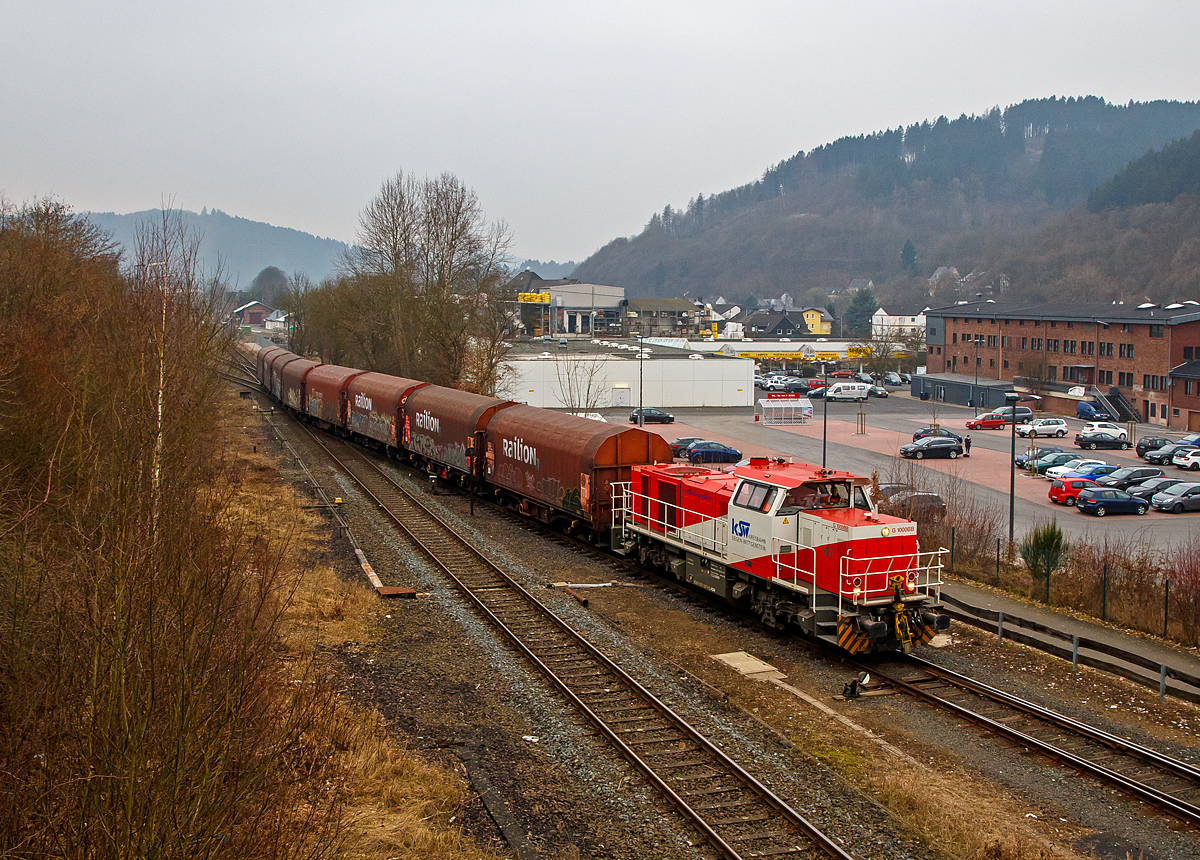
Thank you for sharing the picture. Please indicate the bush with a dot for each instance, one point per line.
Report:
(1044, 550)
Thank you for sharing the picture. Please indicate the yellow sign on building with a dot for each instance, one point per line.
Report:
(534, 298)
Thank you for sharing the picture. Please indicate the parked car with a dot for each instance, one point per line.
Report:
(1022, 460)
(1162, 456)
(842, 390)
(1064, 490)
(712, 452)
(1126, 477)
(1090, 412)
(877, 391)
(906, 378)
(1043, 464)
(1147, 489)
(1071, 466)
(1190, 460)
(1190, 439)
(1103, 501)
(915, 505)
(1181, 454)
(759, 381)
(842, 374)
(1099, 439)
(1150, 443)
(1092, 471)
(1043, 427)
(1177, 499)
(864, 377)
(935, 431)
(1105, 427)
(887, 490)
(679, 446)
(990, 421)
(892, 378)
(652, 416)
(1024, 413)
(933, 446)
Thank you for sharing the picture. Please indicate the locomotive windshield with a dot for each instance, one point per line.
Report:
(817, 494)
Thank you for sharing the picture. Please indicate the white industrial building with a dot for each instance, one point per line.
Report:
(585, 376)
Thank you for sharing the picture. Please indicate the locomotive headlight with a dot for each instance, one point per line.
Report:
(910, 581)
(885, 531)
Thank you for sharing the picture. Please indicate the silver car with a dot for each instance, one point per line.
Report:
(1177, 499)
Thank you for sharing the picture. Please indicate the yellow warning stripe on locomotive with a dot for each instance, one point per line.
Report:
(851, 639)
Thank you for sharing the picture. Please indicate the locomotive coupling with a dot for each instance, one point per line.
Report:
(935, 620)
(875, 630)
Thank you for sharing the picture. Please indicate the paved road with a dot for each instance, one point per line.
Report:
(890, 424)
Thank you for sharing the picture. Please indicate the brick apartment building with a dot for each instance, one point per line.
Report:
(1147, 355)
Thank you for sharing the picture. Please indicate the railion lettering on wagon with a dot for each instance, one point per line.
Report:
(428, 422)
(516, 449)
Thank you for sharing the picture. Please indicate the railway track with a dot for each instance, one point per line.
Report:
(738, 815)
(1168, 783)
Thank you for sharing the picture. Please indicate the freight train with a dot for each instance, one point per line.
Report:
(796, 545)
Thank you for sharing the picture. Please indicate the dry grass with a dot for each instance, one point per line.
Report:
(958, 817)
(393, 804)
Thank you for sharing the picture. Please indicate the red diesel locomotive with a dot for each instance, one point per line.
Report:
(793, 543)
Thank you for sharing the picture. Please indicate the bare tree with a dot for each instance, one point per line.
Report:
(422, 292)
(582, 381)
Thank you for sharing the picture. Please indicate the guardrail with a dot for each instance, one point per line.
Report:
(1003, 623)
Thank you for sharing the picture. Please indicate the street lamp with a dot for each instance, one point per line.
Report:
(1012, 398)
(824, 412)
(641, 382)
(975, 390)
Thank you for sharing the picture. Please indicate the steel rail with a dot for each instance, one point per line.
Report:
(1164, 764)
(496, 583)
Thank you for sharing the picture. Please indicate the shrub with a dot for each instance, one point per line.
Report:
(1044, 550)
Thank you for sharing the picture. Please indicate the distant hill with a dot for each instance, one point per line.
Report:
(244, 247)
(550, 270)
(965, 192)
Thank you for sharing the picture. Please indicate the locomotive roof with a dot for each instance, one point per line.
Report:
(781, 473)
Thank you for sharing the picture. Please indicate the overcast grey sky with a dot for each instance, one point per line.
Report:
(572, 121)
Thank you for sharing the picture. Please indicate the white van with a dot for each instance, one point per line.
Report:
(847, 391)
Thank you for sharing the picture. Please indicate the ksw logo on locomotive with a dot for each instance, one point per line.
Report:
(427, 422)
(741, 528)
(516, 449)
(363, 402)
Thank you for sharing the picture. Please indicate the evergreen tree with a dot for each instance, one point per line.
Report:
(660, 276)
(908, 256)
(858, 315)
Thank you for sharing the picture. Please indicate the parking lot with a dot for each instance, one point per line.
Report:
(890, 422)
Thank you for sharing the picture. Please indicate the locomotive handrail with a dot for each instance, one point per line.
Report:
(928, 585)
(626, 512)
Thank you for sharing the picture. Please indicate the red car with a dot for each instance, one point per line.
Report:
(990, 421)
(1066, 492)
(842, 374)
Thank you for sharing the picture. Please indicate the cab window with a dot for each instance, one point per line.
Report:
(860, 500)
(755, 497)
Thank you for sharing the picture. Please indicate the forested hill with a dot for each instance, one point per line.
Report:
(1156, 177)
(964, 191)
(243, 247)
